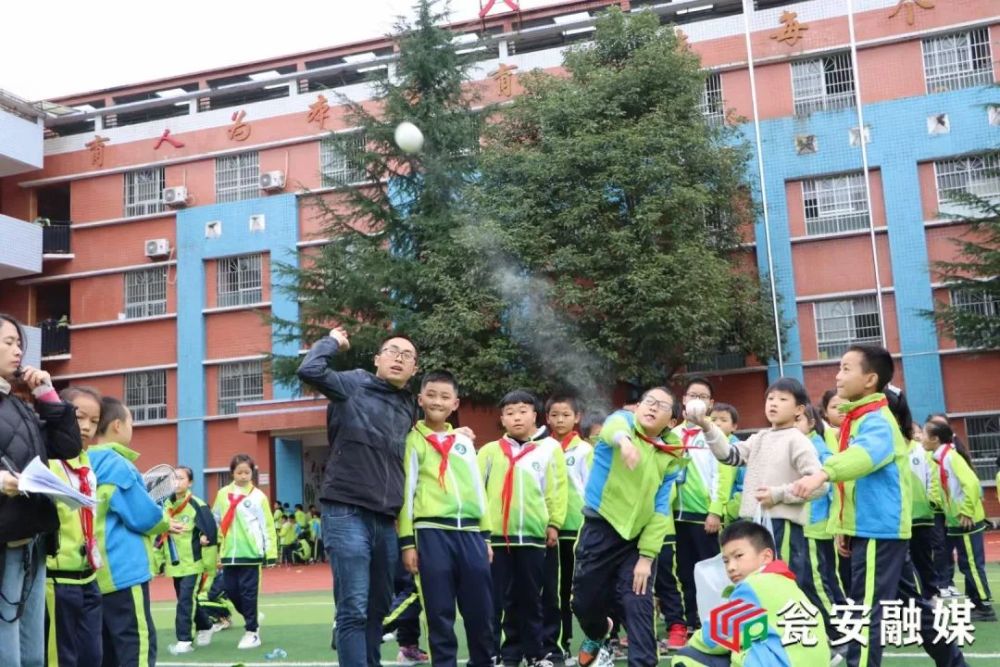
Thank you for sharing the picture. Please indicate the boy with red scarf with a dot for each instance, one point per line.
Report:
(525, 477)
(871, 470)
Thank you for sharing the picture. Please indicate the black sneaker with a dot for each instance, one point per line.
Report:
(984, 614)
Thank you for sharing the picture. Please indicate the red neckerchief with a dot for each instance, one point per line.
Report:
(688, 434)
(173, 511)
(565, 442)
(234, 502)
(86, 513)
(948, 449)
(662, 446)
(845, 437)
(507, 493)
(443, 445)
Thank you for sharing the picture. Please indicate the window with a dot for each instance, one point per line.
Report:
(711, 100)
(146, 292)
(239, 382)
(840, 324)
(976, 175)
(836, 204)
(143, 192)
(146, 395)
(239, 281)
(978, 302)
(823, 84)
(334, 165)
(237, 177)
(984, 443)
(958, 61)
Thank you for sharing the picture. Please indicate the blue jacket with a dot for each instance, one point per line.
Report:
(126, 517)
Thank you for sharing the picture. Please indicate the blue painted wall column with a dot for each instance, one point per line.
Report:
(288, 470)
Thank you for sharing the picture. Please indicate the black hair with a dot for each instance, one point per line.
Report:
(243, 458)
(900, 409)
(112, 410)
(187, 471)
(789, 386)
(758, 536)
(591, 419)
(439, 375)
(937, 416)
(940, 431)
(676, 409)
(876, 359)
(827, 397)
(729, 409)
(386, 339)
(519, 396)
(567, 398)
(814, 415)
(699, 379)
(72, 392)
(298, 506)
(22, 341)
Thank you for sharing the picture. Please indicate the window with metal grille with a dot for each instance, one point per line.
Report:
(237, 177)
(977, 175)
(238, 281)
(146, 395)
(978, 302)
(334, 165)
(836, 204)
(823, 84)
(711, 100)
(143, 192)
(239, 382)
(958, 61)
(984, 444)
(842, 323)
(146, 292)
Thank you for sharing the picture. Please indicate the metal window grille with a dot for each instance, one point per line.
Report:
(237, 177)
(976, 175)
(720, 361)
(842, 323)
(984, 443)
(711, 100)
(239, 382)
(823, 84)
(979, 302)
(146, 292)
(958, 61)
(143, 192)
(239, 281)
(334, 165)
(146, 395)
(837, 204)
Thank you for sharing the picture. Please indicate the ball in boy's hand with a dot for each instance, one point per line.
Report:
(409, 137)
(695, 409)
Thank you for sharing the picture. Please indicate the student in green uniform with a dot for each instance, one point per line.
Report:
(319, 552)
(562, 414)
(197, 554)
(525, 478)
(246, 541)
(279, 514)
(759, 579)
(72, 597)
(286, 539)
(301, 521)
(626, 521)
(963, 504)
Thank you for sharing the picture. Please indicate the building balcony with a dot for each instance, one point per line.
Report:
(20, 247)
(56, 238)
(20, 136)
(55, 338)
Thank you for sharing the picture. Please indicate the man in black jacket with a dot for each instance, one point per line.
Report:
(362, 492)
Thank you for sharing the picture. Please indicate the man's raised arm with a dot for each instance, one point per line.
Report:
(315, 369)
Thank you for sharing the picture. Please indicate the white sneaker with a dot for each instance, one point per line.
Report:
(250, 640)
(387, 637)
(604, 658)
(221, 625)
(203, 638)
(181, 647)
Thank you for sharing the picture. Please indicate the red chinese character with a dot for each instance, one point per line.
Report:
(504, 78)
(239, 131)
(319, 111)
(483, 11)
(791, 33)
(96, 148)
(176, 143)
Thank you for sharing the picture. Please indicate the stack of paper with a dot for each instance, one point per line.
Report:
(37, 478)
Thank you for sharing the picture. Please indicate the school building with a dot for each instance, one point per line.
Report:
(139, 224)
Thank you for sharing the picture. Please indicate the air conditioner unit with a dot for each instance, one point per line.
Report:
(156, 248)
(272, 180)
(176, 196)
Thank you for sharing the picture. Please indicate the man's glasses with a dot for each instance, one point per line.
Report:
(393, 351)
(650, 402)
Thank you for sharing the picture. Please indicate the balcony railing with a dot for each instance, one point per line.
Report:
(55, 337)
(55, 238)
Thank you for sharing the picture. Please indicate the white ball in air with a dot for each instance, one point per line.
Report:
(409, 138)
(695, 408)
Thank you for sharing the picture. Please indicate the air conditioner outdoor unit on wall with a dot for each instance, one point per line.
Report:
(175, 196)
(272, 180)
(156, 248)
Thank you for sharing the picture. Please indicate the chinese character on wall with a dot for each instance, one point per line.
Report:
(96, 148)
(239, 131)
(319, 111)
(907, 7)
(504, 78)
(165, 137)
(792, 29)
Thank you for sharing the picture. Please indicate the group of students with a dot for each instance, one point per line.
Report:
(97, 586)
(299, 534)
